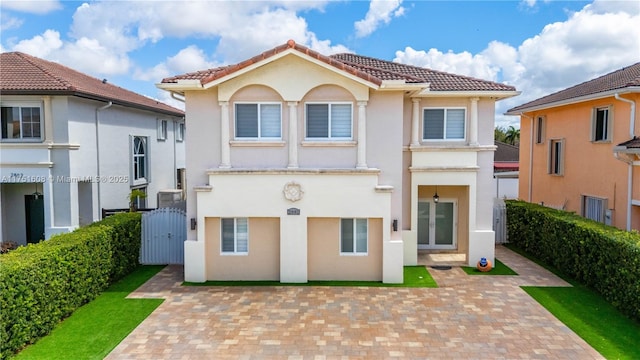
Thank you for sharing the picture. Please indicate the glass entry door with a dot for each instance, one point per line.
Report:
(437, 224)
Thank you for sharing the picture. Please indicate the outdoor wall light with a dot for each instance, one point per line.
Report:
(436, 198)
(395, 224)
(193, 223)
(36, 194)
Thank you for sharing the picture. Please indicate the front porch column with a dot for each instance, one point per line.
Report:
(415, 123)
(361, 157)
(473, 120)
(293, 134)
(225, 148)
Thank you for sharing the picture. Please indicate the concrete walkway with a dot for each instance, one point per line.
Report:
(467, 317)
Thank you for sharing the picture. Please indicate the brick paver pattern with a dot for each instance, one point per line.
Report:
(466, 317)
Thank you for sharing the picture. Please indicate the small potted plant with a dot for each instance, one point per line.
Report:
(133, 196)
(484, 265)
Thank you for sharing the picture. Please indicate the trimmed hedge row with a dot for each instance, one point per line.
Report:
(603, 257)
(41, 284)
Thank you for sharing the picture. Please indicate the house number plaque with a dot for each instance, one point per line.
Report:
(293, 211)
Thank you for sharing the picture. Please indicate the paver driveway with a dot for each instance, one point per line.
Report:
(467, 317)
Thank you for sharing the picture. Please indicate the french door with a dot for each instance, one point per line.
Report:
(437, 224)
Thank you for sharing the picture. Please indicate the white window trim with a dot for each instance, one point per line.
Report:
(445, 108)
(259, 137)
(539, 128)
(180, 128)
(609, 128)
(354, 252)
(235, 239)
(21, 104)
(147, 179)
(162, 129)
(550, 160)
(329, 138)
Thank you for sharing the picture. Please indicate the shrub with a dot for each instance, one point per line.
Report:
(41, 284)
(603, 257)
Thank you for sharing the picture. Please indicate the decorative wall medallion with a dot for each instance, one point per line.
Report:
(293, 191)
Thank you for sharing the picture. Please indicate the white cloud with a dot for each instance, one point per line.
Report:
(591, 42)
(34, 7)
(40, 45)
(186, 60)
(9, 22)
(380, 12)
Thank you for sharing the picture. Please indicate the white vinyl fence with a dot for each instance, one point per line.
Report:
(163, 234)
(500, 220)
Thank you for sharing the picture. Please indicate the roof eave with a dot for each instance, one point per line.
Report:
(600, 95)
(181, 85)
(396, 85)
(497, 94)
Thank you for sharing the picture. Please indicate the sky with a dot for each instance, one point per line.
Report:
(539, 47)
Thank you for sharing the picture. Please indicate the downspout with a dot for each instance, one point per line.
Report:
(98, 180)
(530, 158)
(632, 135)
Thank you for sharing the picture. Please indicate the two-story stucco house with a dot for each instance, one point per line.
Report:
(72, 144)
(580, 151)
(311, 167)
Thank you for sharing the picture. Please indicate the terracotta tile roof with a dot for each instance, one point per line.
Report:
(631, 144)
(22, 74)
(619, 79)
(370, 69)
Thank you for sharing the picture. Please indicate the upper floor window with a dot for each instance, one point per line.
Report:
(540, 125)
(331, 121)
(444, 124)
(235, 236)
(601, 124)
(162, 129)
(258, 121)
(180, 132)
(21, 122)
(139, 161)
(353, 236)
(556, 157)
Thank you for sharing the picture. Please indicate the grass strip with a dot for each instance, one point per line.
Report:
(587, 314)
(498, 269)
(414, 277)
(96, 328)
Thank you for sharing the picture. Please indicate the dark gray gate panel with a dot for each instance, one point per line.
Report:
(163, 234)
(500, 220)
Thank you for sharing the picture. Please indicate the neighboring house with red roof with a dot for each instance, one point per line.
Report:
(580, 151)
(311, 167)
(72, 144)
(505, 170)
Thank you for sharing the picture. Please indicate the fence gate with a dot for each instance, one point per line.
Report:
(500, 220)
(163, 234)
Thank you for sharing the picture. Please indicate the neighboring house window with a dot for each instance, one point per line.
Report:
(180, 132)
(140, 160)
(235, 236)
(140, 202)
(353, 236)
(258, 121)
(556, 157)
(540, 124)
(21, 122)
(331, 121)
(443, 124)
(162, 129)
(601, 124)
(594, 208)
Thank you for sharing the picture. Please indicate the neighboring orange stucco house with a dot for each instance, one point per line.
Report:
(580, 149)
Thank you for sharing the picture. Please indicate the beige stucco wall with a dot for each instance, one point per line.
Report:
(461, 193)
(262, 261)
(325, 261)
(589, 168)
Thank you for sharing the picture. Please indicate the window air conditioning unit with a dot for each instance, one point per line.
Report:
(169, 198)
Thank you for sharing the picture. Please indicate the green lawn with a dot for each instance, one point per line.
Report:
(414, 276)
(93, 330)
(498, 269)
(584, 311)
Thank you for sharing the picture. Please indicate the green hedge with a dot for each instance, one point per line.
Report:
(41, 284)
(602, 257)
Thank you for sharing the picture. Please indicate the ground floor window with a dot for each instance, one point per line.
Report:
(353, 236)
(235, 236)
(594, 208)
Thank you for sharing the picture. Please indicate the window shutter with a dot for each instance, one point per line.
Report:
(227, 235)
(361, 235)
(341, 120)
(270, 120)
(242, 235)
(433, 128)
(455, 124)
(317, 120)
(346, 236)
(247, 120)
